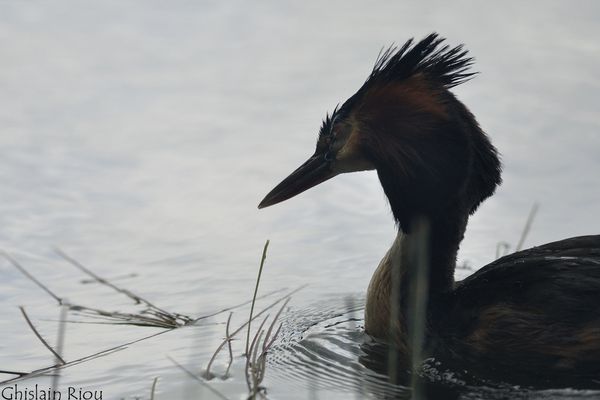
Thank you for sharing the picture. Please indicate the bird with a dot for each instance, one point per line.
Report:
(531, 315)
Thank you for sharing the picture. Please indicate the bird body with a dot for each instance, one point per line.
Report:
(533, 312)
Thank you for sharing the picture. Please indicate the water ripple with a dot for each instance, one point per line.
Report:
(321, 348)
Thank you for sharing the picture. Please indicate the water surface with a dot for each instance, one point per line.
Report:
(139, 137)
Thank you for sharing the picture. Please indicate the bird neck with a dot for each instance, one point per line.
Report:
(430, 251)
(419, 265)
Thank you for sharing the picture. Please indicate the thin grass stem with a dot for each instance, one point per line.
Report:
(527, 227)
(138, 299)
(35, 331)
(18, 266)
(228, 345)
(153, 389)
(198, 379)
(260, 269)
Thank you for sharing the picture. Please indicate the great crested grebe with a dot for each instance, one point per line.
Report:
(534, 312)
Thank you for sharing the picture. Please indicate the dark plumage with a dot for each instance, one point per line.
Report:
(444, 65)
(532, 314)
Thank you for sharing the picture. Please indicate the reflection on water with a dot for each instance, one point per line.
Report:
(140, 138)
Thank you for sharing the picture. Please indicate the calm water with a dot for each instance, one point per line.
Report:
(139, 137)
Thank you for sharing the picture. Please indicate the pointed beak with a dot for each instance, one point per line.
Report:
(314, 171)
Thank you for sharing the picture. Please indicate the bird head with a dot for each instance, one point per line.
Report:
(428, 150)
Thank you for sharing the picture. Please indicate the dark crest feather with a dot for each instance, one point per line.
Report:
(328, 122)
(445, 65)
